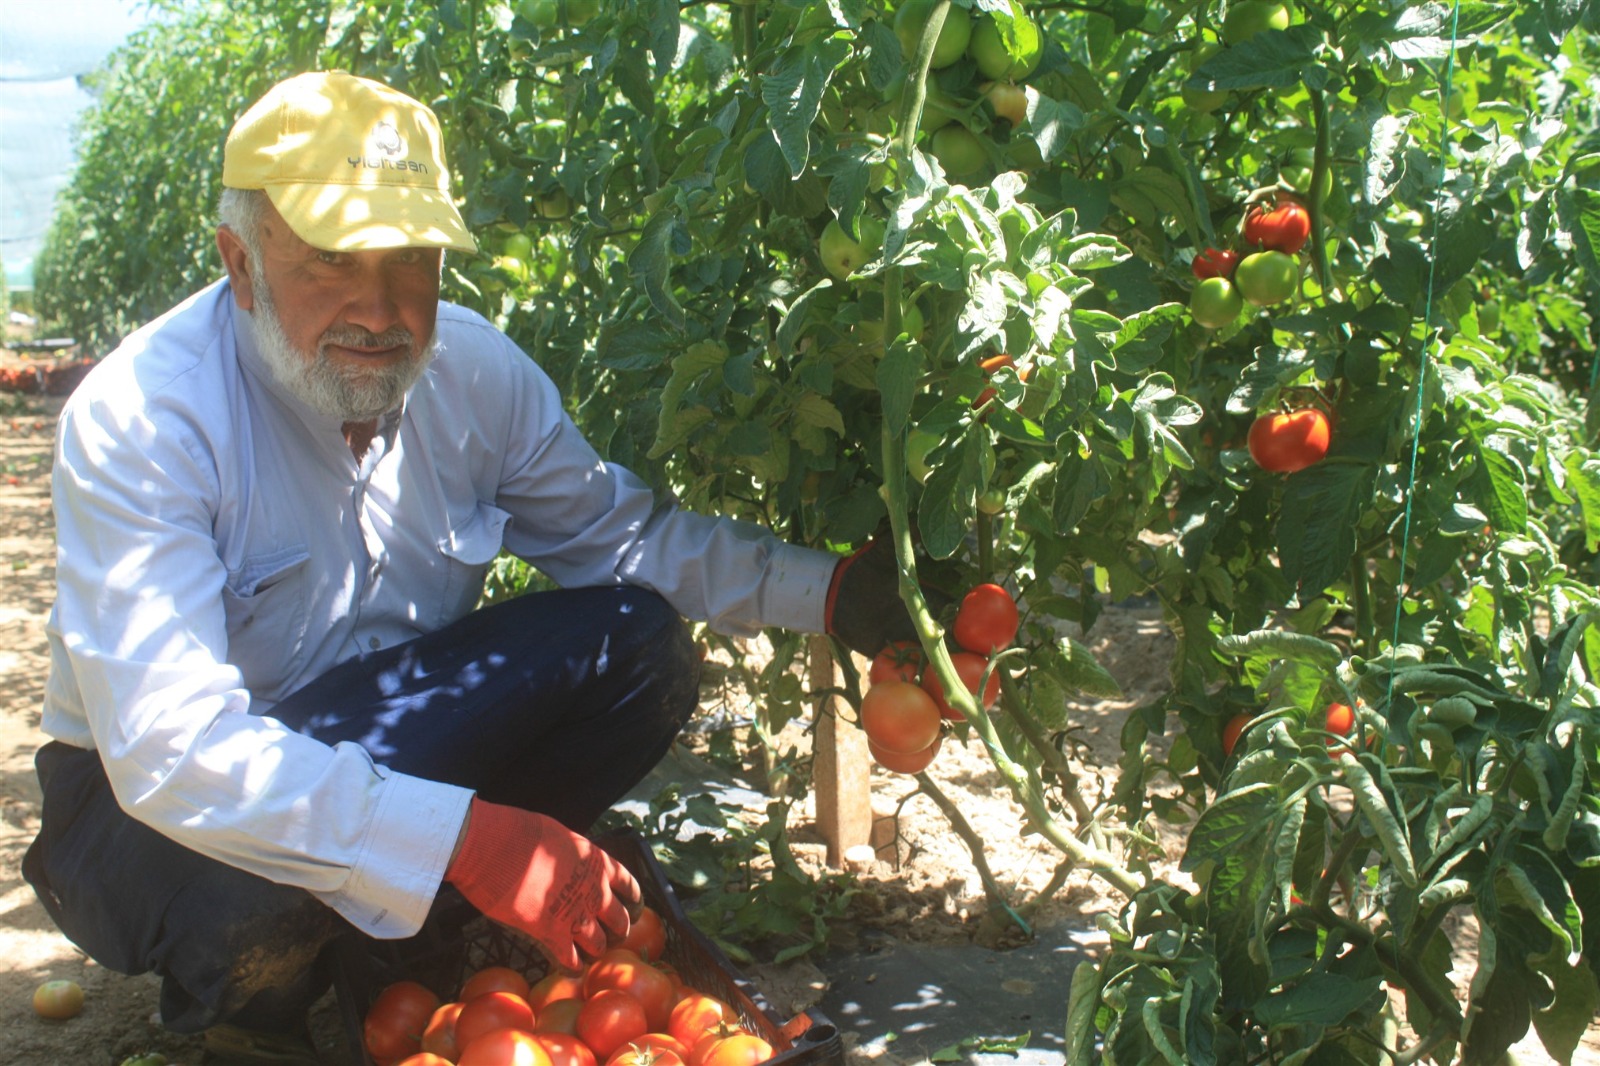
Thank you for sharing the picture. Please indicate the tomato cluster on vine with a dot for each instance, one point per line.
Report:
(1264, 273)
(628, 1007)
(905, 708)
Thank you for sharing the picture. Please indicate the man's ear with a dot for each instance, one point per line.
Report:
(236, 258)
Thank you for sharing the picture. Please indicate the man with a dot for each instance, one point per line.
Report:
(276, 715)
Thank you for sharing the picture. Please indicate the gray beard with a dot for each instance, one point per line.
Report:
(348, 393)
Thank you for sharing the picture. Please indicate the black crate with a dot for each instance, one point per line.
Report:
(457, 941)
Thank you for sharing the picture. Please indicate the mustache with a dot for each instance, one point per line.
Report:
(356, 337)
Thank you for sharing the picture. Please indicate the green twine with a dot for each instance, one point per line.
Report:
(1427, 332)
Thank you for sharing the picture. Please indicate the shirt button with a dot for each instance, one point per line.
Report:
(373, 642)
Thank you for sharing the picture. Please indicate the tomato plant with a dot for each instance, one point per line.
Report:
(899, 716)
(1284, 442)
(987, 620)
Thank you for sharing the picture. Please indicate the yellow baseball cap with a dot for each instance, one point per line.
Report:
(349, 163)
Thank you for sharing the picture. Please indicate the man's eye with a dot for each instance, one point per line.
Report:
(331, 258)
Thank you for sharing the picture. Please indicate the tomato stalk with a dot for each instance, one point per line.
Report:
(1319, 168)
(980, 862)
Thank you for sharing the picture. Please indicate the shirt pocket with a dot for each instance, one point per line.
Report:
(467, 550)
(266, 604)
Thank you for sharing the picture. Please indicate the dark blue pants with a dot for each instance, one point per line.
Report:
(557, 702)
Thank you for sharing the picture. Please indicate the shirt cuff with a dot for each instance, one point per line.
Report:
(799, 579)
(403, 860)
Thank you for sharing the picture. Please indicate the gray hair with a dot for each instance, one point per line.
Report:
(242, 211)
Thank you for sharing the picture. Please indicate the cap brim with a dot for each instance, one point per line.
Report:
(351, 218)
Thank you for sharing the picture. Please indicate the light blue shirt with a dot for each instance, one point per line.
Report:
(219, 546)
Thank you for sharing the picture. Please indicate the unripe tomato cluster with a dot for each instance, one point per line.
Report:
(626, 1008)
(904, 710)
(1263, 274)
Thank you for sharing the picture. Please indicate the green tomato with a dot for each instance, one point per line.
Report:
(919, 442)
(912, 16)
(519, 246)
(1204, 101)
(959, 151)
(1297, 170)
(992, 501)
(1249, 17)
(843, 256)
(1007, 101)
(1267, 278)
(1216, 303)
(988, 47)
(870, 331)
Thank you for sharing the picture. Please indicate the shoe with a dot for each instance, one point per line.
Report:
(230, 1045)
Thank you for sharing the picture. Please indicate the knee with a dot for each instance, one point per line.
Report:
(658, 632)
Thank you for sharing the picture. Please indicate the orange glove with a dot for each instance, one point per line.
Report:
(532, 873)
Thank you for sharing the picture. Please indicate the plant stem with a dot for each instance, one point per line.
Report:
(958, 821)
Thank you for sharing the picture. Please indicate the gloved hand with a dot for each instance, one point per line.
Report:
(864, 609)
(532, 873)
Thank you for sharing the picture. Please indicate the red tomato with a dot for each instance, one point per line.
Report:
(695, 1013)
(1340, 719)
(622, 969)
(566, 1049)
(1231, 732)
(663, 1044)
(740, 1049)
(987, 620)
(638, 1055)
(902, 762)
(1285, 228)
(647, 936)
(494, 979)
(553, 987)
(609, 1019)
(394, 1023)
(558, 1017)
(505, 1047)
(492, 1010)
(1285, 443)
(1214, 263)
(425, 1058)
(899, 717)
(992, 364)
(900, 661)
(969, 667)
(440, 1035)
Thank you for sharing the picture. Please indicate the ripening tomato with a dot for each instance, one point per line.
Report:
(609, 1019)
(494, 979)
(505, 1047)
(421, 1058)
(1286, 442)
(558, 1016)
(1216, 303)
(1340, 719)
(647, 936)
(1285, 228)
(622, 969)
(58, 1000)
(639, 1054)
(439, 1037)
(552, 987)
(1232, 731)
(739, 1049)
(987, 620)
(1214, 263)
(904, 763)
(900, 661)
(394, 1024)
(899, 717)
(969, 667)
(1266, 278)
(695, 1013)
(566, 1049)
(492, 1010)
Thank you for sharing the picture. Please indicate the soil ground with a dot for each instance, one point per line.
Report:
(930, 895)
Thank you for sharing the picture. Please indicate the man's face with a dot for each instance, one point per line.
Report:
(346, 332)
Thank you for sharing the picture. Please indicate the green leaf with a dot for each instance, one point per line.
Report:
(1271, 59)
(949, 500)
(1319, 998)
(651, 262)
(1562, 1025)
(898, 373)
(1229, 823)
(1502, 489)
(793, 90)
(1153, 196)
(1083, 1000)
(1316, 532)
